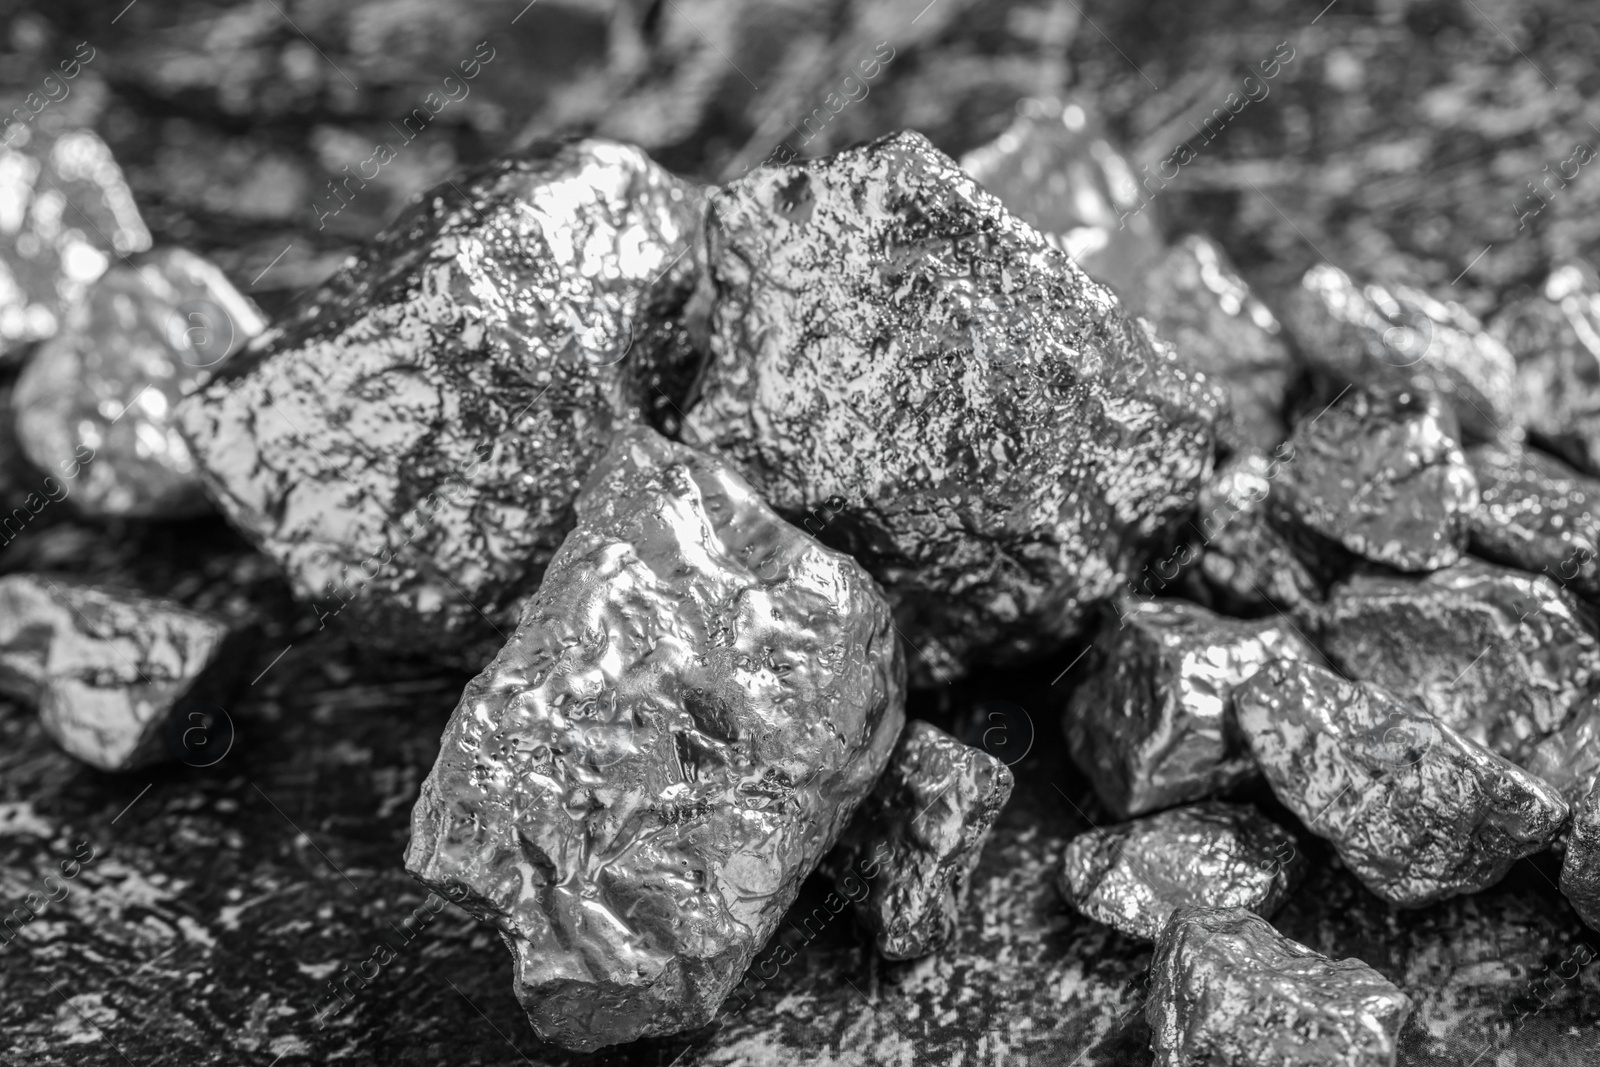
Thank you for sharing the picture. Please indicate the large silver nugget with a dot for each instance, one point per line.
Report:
(1416, 811)
(107, 668)
(1580, 868)
(1399, 336)
(1499, 655)
(921, 832)
(1151, 726)
(1538, 514)
(65, 213)
(1228, 990)
(1380, 474)
(141, 340)
(691, 708)
(1554, 335)
(998, 440)
(409, 445)
(1132, 876)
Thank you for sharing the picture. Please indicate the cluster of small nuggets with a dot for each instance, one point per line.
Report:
(577, 394)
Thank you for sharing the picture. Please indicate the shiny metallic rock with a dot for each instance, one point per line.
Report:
(65, 213)
(106, 668)
(690, 710)
(1416, 811)
(1216, 323)
(1228, 990)
(984, 428)
(141, 340)
(920, 832)
(1380, 474)
(1538, 514)
(1246, 562)
(1402, 337)
(1134, 875)
(409, 445)
(1569, 759)
(1151, 726)
(1499, 655)
(1580, 868)
(1554, 335)
(1055, 168)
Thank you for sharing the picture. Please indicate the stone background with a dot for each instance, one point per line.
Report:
(1397, 143)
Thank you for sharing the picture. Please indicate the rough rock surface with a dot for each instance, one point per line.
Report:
(1569, 759)
(1003, 440)
(480, 351)
(1380, 474)
(1580, 868)
(1228, 990)
(107, 669)
(1055, 168)
(140, 340)
(1134, 875)
(1554, 335)
(634, 789)
(65, 212)
(1416, 811)
(1400, 336)
(1152, 724)
(1247, 564)
(1499, 655)
(920, 834)
(1537, 514)
(1216, 323)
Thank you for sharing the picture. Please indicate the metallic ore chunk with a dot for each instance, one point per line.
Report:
(106, 668)
(1569, 759)
(1246, 562)
(1380, 473)
(922, 830)
(997, 439)
(1580, 869)
(1055, 169)
(691, 708)
(1499, 655)
(1132, 876)
(138, 343)
(1538, 514)
(1152, 726)
(1227, 990)
(1216, 323)
(1555, 339)
(412, 441)
(1415, 810)
(1369, 335)
(65, 210)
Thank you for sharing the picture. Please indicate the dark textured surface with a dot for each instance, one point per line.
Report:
(1380, 474)
(919, 834)
(1134, 875)
(692, 706)
(1227, 990)
(1396, 143)
(1580, 867)
(998, 441)
(1152, 722)
(111, 672)
(1418, 812)
(1499, 655)
(480, 351)
(142, 338)
(1536, 513)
